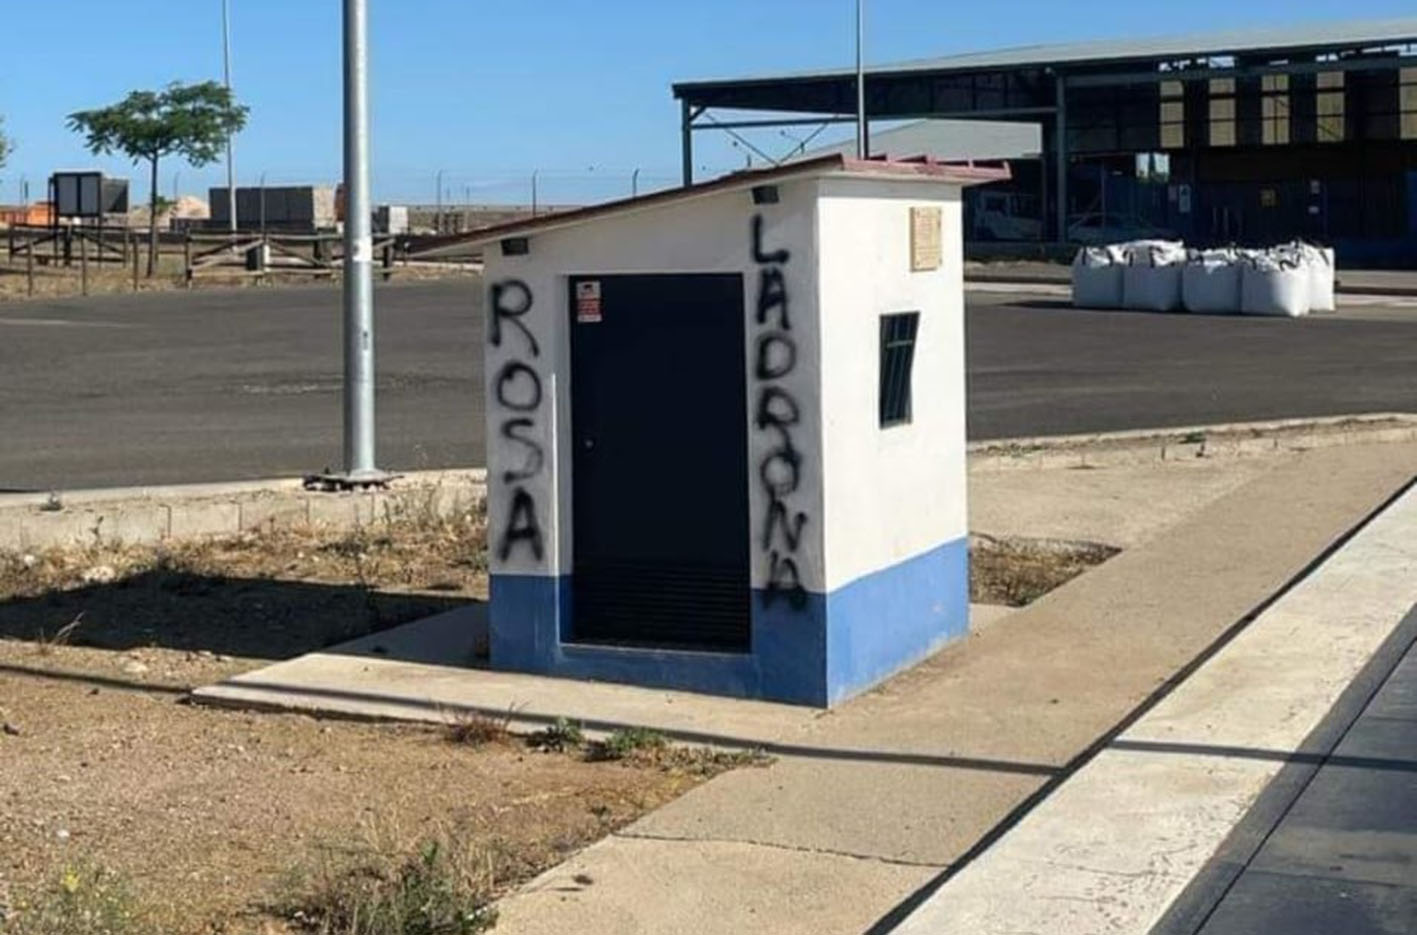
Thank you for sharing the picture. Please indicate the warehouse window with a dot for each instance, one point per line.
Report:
(1407, 102)
(1173, 115)
(1329, 107)
(1222, 112)
(1274, 109)
(897, 361)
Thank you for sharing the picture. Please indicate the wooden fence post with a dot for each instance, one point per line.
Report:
(29, 266)
(134, 251)
(83, 263)
(187, 259)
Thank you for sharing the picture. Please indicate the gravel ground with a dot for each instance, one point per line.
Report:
(208, 814)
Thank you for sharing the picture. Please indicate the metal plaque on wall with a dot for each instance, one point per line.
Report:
(926, 226)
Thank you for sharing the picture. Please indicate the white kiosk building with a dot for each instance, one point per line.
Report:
(726, 432)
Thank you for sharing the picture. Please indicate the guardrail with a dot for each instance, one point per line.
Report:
(255, 255)
(69, 245)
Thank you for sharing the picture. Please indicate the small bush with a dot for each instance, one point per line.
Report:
(629, 740)
(83, 900)
(559, 737)
(444, 888)
(45, 645)
(475, 729)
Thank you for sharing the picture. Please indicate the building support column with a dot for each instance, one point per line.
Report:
(687, 141)
(1060, 156)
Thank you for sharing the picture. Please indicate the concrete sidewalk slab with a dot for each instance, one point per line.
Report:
(1122, 505)
(946, 751)
(1119, 841)
(754, 889)
(1331, 843)
(408, 674)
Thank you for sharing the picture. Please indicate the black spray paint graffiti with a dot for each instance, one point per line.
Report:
(517, 389)
(777, 411)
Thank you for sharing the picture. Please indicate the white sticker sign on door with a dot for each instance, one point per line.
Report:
(588, 302)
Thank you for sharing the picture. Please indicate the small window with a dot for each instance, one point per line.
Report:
(1407, 102)
(1222, 112)
(1329, 103)
(1173, 115)
(897, 360)
(1274, 109)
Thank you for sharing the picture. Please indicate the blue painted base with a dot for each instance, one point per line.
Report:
(818, 653)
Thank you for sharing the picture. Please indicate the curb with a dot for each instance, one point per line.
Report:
(149, 515)
(1188, 443)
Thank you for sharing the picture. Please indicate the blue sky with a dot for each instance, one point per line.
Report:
(488, 91)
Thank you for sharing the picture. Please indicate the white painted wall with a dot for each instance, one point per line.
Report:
(711, 234)
(896, 492)
(888, 494)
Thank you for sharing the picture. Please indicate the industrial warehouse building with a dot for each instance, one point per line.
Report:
(1243, 137)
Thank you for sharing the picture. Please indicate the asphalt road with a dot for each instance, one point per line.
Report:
(233, 384)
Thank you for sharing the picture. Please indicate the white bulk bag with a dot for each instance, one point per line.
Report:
(1151, 280)
(1270, 285)
(1321, 279)
(1097, 278)
(1210, 283)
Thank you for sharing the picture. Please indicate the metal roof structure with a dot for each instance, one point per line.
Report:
(1099, 98)
(1308, 37)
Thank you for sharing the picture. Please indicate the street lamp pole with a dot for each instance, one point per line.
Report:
(226, 76)
(863, 146)
(438, 201)
(358, 256)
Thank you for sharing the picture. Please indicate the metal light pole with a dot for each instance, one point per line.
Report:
(226, 75)
(534, 173)
(358, 256)
(862, 146)
(438, 199)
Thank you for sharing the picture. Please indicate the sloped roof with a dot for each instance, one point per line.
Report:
(950, 139)
(1280, 38)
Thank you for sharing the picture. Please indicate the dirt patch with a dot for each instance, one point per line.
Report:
(1016, 572)
(212, 819)
(268, 595)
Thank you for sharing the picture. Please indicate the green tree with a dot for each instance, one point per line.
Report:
(5, 147)
(192, 121)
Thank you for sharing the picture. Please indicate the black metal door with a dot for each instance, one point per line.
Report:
(659, 470)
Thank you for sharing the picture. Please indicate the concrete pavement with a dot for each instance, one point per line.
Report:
(873, 802)
(226, 385)
(1331, 844)
(1118, 842)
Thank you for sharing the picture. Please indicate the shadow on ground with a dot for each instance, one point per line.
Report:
(245, 617)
